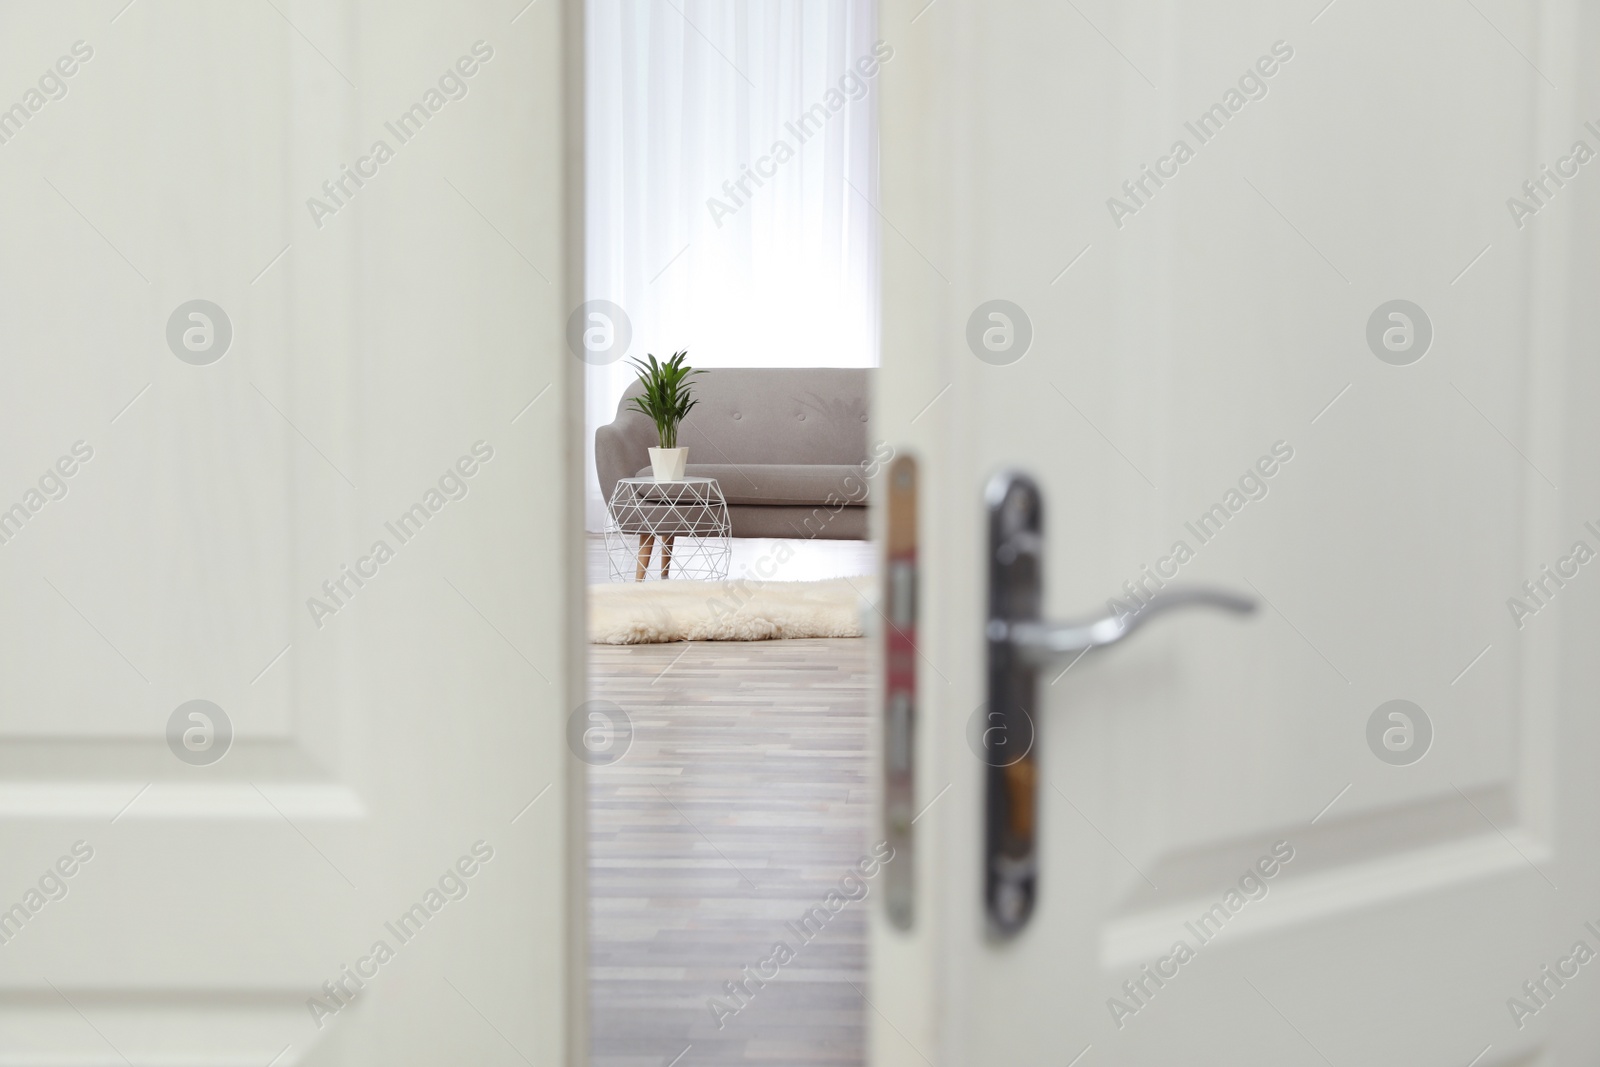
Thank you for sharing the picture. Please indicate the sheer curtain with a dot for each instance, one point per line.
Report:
(732, 167)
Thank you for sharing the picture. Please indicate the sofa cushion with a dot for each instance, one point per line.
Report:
(783, 483)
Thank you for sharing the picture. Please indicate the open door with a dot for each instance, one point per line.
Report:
(1289, 304)
(283, 773)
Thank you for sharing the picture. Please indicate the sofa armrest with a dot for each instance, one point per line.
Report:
(614, 458)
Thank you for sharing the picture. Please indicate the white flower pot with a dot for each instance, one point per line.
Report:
(667, 464)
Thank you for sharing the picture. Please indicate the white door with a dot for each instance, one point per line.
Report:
(283, 776)
(1296, 303)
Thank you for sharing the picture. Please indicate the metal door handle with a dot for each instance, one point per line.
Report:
(1040, 642)
(1019, 643)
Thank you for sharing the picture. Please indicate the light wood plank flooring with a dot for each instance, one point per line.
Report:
(742, 801)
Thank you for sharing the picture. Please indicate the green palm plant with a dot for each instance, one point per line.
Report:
(666, 398)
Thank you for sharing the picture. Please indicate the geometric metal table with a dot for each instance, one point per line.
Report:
(689, 520)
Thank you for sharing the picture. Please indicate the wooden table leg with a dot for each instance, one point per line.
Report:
(666, 553)
(646, 543)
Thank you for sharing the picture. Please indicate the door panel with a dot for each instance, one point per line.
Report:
(393, 712)
(1208, 336)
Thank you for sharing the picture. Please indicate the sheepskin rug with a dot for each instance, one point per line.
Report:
(640, 613)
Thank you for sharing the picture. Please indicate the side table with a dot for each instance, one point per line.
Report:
(653, 511)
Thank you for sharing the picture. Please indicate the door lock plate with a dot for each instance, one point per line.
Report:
(900, 690)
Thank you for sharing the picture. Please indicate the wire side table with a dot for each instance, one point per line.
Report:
(688, 519)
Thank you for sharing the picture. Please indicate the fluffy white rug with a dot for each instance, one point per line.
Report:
(638, 613)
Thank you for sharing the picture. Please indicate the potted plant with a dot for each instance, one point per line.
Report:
(665, 402)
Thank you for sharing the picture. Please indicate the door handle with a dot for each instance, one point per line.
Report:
(1019, 643)
(1039, 643)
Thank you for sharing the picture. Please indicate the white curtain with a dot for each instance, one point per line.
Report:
(732, 172)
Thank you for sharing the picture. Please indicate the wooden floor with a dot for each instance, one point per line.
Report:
(742, 800)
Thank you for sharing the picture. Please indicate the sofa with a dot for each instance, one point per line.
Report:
(788, 446)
